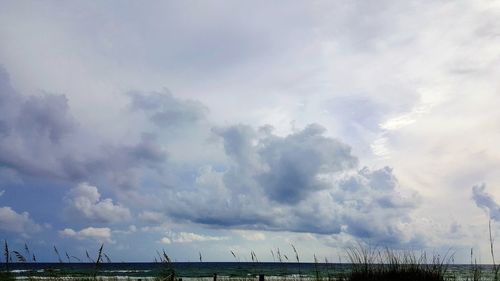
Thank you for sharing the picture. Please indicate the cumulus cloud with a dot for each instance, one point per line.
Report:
(85, 201)
(102, 234)
(189, 237)
(20, 223)
(287, 168)
(485, 201)
(294, 163)
(360, 204)
(302, 182)
(165, 240)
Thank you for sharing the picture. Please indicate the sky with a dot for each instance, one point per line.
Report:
(204, 127)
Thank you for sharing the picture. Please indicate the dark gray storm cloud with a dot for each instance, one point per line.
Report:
(36, 117)
(294, 163)
(33, 131)
(377, 209)
(46, 116)
(40, 137)
(485, 201)
(286, 168)
(238, 143)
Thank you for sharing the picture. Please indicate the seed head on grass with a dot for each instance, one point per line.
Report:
(296, 253)
(107, 258)
(27, 250)
(235, 256)
(20, 258)
(57, 254)
(6, 254)
(67, 257)
(88, 257)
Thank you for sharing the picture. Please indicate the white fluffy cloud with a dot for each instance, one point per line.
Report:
(188, 237)
(85, 201)
(102, 234)
(251, 235)
(21, 223)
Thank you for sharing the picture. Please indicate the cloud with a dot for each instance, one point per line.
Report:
(189, 237)
(301, 62)
(287, 168)
(21, 223)
(33, 132)
(295, 163)
(151, 216)
(165, 240)
(166, 111)
(485, 201)
(102, 234)
(302, 182)
(2, 192)
(40, 137)
(366, 204)
(125, 164)
(85, 201)
(251, 235)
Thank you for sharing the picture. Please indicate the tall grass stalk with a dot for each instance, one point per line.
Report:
(496, 267)
(297, 258)
(98, 261)
(284, 266)
(476, 273)
(167, 272)
(316, 269)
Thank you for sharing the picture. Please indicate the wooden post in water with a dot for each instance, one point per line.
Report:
(261, 277)
(215, 276)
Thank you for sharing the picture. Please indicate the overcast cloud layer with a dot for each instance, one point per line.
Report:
(210, 127)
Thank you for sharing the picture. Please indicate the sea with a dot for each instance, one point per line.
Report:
(206, 270)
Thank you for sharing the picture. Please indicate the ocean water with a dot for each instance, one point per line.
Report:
(206, 269)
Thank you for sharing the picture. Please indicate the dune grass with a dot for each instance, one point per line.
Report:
(369, 264)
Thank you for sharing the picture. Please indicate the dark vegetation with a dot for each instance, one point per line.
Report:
(373, 265)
